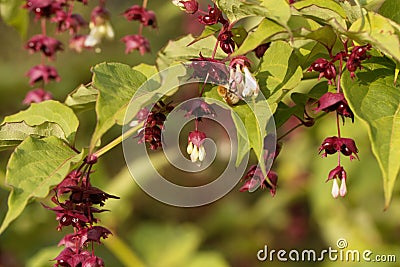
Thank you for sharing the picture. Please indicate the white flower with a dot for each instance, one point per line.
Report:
(98, 32)
(335, 188)
(250, 84)
(343, 188)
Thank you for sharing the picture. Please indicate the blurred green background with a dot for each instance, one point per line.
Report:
(229, 232)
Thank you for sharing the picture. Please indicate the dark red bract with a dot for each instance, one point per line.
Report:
(42, 43)
(214, 16)
(42, 73)
(335, 102)
(37, 96)
(333, 144)
(144, 16)
(326, 69)
(255, 178)
(136, 42)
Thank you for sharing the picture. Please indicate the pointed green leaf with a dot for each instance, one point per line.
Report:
(237, 9)
(278, 10)
(375, 99)
(82, 98)
(264, 31)
(325, 35)
(279, 72)
(208, 31)
(35, 166)
(379, 32)
(13, 133)
(325, 10)
(117, 84)
(48, 111)
(178, 51)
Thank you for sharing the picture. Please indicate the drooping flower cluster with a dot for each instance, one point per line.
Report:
(153, 124)
(79, 212)
(60, 12)
(240, 78)
(336, 102)
(146, 18)
(327, 68)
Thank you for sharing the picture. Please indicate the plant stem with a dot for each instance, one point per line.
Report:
(117, 140)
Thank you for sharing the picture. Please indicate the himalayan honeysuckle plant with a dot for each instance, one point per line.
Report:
(310, 60)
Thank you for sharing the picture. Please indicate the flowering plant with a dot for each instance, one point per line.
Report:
(301, 59)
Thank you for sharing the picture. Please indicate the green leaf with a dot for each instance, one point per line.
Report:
(209, 30)
(324, 10)
(375, 99)
(278, 10)
(379, 32)
(82, 98)
(117, 84)
(324, 35)
(279, 72)
(48, 111)
(13, 14)
(13, 133)
(35, 166)
(390, 9)
(178, 51)
(264, 31)
(238, 9)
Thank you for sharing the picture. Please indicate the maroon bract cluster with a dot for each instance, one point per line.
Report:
(334, 144)
(213, 17)
(78, 211)
(326, 69)
(335, 102)
(36, 96)
(154, 122)
(136, 42)
(146, 18)
(358, 54)
(141, 14)
(204, 67)
(254, 179)
(61, 13)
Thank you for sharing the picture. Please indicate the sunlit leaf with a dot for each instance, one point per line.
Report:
(82, 98)
(35, 166)
(48, 111)
(375, 99)
(13, 133)
(117, 84)
(12, 13)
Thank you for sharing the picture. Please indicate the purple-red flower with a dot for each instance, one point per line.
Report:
(334, 102)
(358, 54)
(190, 6)
(198, 108)
(42, 43)
(195, 146)
(139, 13)
(254, 178)
(338, 173)
(66, 21)
(42, 72)
(44, 8)
(225, 41)
(214, 16)
(216, 70)
(326, 69)
(77, 43)
(136, 42)
(36, 96)
(333, 144)
(100, 27)
(261, 49)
